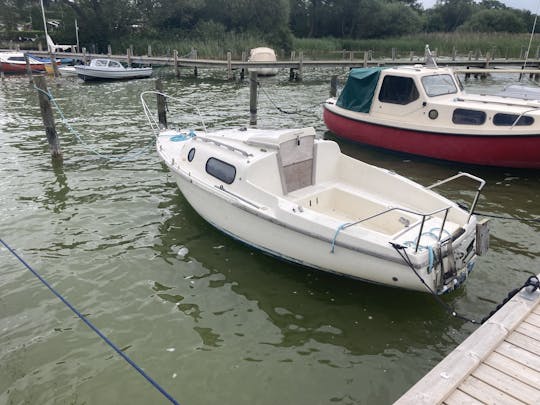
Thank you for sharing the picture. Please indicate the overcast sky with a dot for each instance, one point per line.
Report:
(531, 5)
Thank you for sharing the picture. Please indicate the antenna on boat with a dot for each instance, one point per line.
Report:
(429, 60)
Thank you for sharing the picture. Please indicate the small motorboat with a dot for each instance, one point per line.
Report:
(108, 69)
(263, 54)
(14, 62)
(423, 110)
(297, 197)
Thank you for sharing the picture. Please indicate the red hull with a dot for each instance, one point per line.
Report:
(503, 151)
(7, 67)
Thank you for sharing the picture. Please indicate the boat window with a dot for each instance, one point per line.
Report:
(221, 170)
(510, 119)
(17, 58)
(100, 62)
(468, 117)
(114, 64)
(437, 85)
(398, 90)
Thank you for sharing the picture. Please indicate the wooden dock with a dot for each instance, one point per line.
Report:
(297, 63)
(498, 364)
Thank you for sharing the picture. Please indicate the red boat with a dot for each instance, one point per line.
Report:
(14, 62)
(423, 110)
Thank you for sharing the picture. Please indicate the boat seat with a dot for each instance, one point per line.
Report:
(295, 158)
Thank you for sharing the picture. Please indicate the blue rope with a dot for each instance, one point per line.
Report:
(338, 230)
(78, 137)
(91, 326)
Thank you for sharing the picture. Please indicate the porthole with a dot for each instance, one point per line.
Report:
(191, 154)
(433, 114)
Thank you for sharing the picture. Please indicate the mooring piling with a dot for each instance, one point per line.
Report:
(252, 98)
(161, 104)
(48, 117)
(28, 68)
(333, 86)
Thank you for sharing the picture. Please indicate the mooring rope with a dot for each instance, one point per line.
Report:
(305, 111)
(91, 325)
(75, 133)
(532, 281)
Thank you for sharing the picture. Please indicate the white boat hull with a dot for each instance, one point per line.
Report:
(88, 73)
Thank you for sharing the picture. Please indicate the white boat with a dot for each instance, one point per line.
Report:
(14, 62)
(108, 69)
(297, 197)
(424, 110)
(263, 54)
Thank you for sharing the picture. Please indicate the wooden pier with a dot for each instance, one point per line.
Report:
(498, 364)
(297, 63)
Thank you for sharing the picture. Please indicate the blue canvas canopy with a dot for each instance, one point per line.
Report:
(357, 94)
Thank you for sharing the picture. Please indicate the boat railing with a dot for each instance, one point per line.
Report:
(154, 123)
(424, 215)
(508, 101)
(482, 183)
(224, 145)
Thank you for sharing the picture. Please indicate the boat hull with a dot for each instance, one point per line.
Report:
(8, 67)
(90, 74)
(517, 151)
(281, 241)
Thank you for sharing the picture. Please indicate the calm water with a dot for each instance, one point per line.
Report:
(220, 324)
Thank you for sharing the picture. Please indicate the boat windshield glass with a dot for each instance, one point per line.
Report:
(437, 85)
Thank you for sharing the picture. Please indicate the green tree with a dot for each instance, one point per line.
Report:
(447, 15)
(494, 20)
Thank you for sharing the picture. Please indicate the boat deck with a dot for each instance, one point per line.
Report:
(498, 364)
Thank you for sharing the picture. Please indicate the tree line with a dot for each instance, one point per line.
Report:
(276, 22)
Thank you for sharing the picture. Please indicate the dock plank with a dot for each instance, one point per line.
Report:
(520, 355)
(534, 319)
(486, 393)
(507, 384)
(523, 341)
(529, 329)
(514, 368)
(459, 397)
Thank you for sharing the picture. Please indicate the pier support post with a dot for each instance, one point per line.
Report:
(366, 56)
(85, 57)
(161, 105)
(394, 53)
(128, 57)
(253, 98)
(333, 86)
(149, 53)
(176, 68)
(28, 68)
(52, 58)
(229, 65)
(411, 55)
(300, 74)
(109, 50)
(48, 118)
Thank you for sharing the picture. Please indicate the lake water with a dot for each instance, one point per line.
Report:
(218, 323)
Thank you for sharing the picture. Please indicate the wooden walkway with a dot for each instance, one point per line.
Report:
(297, 64)
(498, 364)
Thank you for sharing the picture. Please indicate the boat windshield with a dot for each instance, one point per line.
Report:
(437, 85)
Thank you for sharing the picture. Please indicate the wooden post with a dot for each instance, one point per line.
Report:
(351, 55)
(291, 74)
(28, 68)
(176, 68)
(52, 58)
(454, 53)
(470, 55)
(161, 105)
(243, 56)
(229, 69)
(411, 55)
(109, 50)
(252, 98)
(149, 53)
(48, 118)
(366, 55)
(85, 58)
(300, 74)
(293, 55)
(40, 46)
(393, 53)
(129, 57)
(333, 86)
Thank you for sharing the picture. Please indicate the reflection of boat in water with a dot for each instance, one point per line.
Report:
(263, 54)
(108, 69)
(424, 110)
(299, 198)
